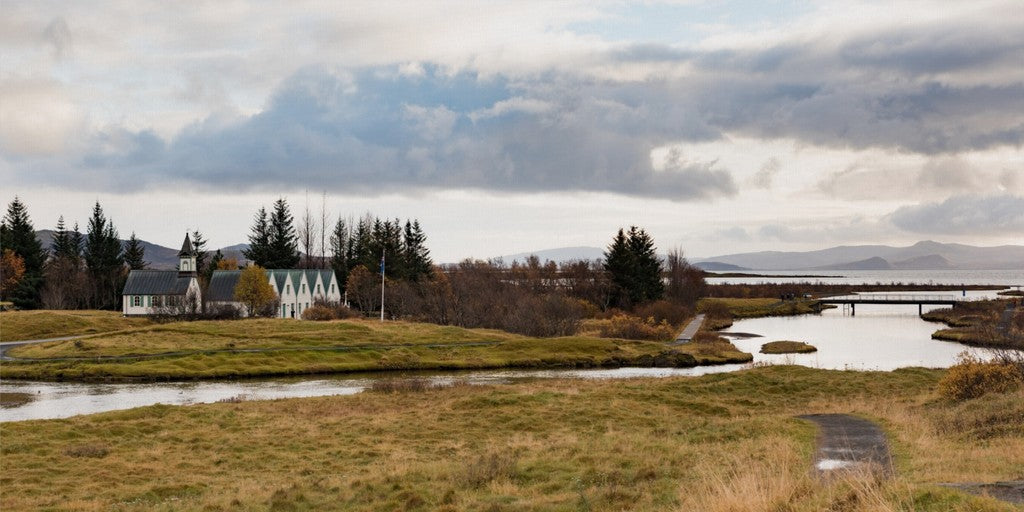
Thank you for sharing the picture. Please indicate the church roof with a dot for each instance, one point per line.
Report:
(156, 282)
(186, 248)
(222, 285)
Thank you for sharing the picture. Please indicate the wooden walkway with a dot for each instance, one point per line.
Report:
(690, 331)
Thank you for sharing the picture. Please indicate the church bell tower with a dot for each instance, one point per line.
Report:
(186, 259)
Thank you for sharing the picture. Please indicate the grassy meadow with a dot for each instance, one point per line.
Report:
(265, 347)
(726, 442)
(45, 324)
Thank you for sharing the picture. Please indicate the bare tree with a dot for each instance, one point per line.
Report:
(307, 235)
(323, 231)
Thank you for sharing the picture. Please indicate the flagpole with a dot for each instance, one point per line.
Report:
(382, 286)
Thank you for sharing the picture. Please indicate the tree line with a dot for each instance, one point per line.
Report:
(88, 271)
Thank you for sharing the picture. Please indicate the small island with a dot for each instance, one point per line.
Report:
(787, 347)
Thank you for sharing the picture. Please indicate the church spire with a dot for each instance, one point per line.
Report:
(186, 258)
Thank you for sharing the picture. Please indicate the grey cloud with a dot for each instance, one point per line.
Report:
(965, 214)
(764, 176)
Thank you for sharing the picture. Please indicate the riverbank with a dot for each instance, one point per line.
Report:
(276, 347)
(722, 311)
(719, 442)
(989, 323)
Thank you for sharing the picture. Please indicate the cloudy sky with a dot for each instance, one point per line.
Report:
(721, 126)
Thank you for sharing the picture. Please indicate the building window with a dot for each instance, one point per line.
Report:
(307, 305)
(287, 288)
(136, 301)
(303, 288)
(284, 310)
(157, 301)
(317, 288)
(332, 288)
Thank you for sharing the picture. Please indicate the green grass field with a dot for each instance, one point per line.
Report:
(787, 347)
(715, 443)
(45, 324)
(264, 347)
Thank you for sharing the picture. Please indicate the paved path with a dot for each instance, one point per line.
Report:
(691, 329)
(6, 345)
(848, 442)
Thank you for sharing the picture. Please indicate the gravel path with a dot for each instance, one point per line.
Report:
(690, 330)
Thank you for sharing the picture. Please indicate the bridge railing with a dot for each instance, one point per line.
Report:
(890, 297)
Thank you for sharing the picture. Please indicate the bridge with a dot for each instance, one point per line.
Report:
(921, 300)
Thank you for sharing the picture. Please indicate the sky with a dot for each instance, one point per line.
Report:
(719, 126)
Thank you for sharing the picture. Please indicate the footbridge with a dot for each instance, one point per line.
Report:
(921, 300)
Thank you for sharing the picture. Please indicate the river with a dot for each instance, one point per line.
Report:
(877, 338)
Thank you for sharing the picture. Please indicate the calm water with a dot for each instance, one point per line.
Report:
(877, 338)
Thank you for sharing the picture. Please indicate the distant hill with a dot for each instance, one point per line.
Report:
(927, 255)
(559, 255)
(874, 263)
(158, 256)
(714, 266)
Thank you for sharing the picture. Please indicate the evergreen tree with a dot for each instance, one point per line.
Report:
(134, 254)
(77, 242)
(199, 246)
(634, 267)
(388, 238)
(341, 251)
(647, 270)
(104, 260)
(618, 262)
(363, 249)
(19, 236)
(417, 256)
(63, 246)
(259, 241)
(214, 263)
(284, 243)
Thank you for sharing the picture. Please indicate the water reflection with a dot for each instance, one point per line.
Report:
(879, 337)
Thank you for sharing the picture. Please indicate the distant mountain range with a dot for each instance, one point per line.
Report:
(559, 255)
(925, 255)
(158, 256)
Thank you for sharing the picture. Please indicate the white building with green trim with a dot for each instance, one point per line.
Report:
(296, 290)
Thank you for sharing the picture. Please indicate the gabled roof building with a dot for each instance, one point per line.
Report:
(295, 289)
(150, 292)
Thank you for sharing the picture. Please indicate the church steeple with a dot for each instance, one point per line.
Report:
(186, 259)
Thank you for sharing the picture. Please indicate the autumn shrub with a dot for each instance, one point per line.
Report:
(545, 315)
(636, 328)
(972, 377)
(318, 312)
(663, 310)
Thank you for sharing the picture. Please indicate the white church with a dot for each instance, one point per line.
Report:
(147, 291)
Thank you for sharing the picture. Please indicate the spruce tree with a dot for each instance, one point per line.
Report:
(199, 247)
(284, 243)
(104, 260)
(341, 251)
(63, 245)
(634, 267)
(259, 241)
(417, 256)
(134, 254)
(648, 285)
(214, 263)
(618, 262)
(18, 235)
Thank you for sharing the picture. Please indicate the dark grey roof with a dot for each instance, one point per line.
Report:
(186, 248)
(156, 282)
(222, 285)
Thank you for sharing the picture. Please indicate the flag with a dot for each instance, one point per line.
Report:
(381, 264)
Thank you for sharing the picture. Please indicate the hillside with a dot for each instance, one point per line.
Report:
(158, 256)
(926, 255)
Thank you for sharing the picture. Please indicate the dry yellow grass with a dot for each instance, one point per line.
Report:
(44, 324)
(260, 347)
(721, 443)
